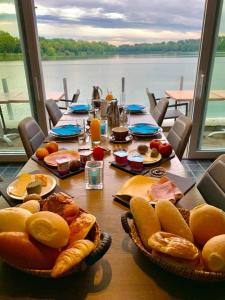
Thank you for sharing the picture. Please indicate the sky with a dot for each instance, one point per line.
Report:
(116, 21)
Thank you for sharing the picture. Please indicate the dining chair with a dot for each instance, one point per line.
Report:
(159, 111)
(172, 111)
(72, 101)
(179, 134)
(31, 135)
(54, 112)
(212, 184)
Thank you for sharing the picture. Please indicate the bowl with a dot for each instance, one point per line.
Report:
(120, 133)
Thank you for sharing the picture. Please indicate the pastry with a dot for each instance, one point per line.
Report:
(49, 229)
(34, 187)
(206, 221)
(173, 245)
(213, 254)
(18, 188)
(32, 197)
(71, 257)
(42, 179)
(145, 218)
(80, 227)
(13, 219)
(32, 205)
(171, 220)
(18, 249)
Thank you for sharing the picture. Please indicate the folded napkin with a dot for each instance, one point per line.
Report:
(143, 128)
(165, 190)
(68, 129)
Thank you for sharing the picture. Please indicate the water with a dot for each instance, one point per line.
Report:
(158, 73)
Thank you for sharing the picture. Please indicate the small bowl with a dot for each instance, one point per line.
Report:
(136, 162)
(121, 157)
(120, 133)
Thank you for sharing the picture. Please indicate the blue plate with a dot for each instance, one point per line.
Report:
(66, 130)
(135, 107)
(144, 129)
(80, 107)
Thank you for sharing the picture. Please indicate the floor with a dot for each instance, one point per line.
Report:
(194, 168)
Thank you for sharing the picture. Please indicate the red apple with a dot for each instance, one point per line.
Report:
(98, 153)
(165, 149)
(155, 144)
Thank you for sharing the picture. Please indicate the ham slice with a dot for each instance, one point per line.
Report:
(165, 190)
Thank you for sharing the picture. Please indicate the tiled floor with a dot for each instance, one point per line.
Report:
(194, 168)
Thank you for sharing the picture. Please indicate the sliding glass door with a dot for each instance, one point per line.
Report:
(208, 135)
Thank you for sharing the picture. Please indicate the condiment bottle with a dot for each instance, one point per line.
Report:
(95, 131)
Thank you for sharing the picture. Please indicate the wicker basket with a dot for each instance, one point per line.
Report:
(181, 271)
(102, 243)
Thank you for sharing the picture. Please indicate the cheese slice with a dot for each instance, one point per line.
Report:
(18, 188)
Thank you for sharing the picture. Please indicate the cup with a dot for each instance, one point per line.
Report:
(104, 127)
(136, 162)
(120, 133)
(121, 157)
(85, 156)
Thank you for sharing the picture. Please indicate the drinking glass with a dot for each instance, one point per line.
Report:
(94, 175)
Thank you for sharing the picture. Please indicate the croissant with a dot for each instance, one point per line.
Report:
(71, 257)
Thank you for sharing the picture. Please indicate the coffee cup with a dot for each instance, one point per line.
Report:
(120, 133)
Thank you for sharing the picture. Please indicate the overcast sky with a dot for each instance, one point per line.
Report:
(115, 21)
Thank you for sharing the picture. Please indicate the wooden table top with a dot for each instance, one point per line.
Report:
(188, 95)
(124, 272)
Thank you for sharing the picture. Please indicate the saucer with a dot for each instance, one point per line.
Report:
(128, 139)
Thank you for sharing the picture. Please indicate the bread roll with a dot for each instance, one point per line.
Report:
(173, 245)
(13, 219)
(32, 197)
(80, 227)
(18, 249)
(213, 254)
(71, 257)
(32, 206)
(49, 229)
(145, 218)
(171, 220)
(206, 221)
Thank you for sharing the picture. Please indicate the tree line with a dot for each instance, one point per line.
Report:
(69, 48)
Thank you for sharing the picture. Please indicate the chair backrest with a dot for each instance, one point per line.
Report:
(75, 96)
(31, 135)
(212, 184)
(179, 134)
(152, 100)
(159, 111)
(53, 111)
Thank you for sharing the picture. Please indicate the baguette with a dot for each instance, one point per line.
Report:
(145, 218)
(71, 257)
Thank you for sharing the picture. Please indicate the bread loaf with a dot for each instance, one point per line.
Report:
(80, 227)
(18, 249)
(173, 245)
(213, 254)
(71, 257)
(145, 218)
(171, 220)
(13, 219)
(32, 206)
(206, 221)
(49, 229)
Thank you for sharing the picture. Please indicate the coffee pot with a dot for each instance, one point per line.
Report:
(113, 114)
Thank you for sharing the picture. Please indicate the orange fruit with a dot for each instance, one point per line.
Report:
(41, 153)
(52, 147)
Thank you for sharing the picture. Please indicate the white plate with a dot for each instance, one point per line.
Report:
(151, 160)
(51, 183)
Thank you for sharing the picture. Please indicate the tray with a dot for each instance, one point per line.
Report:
(54, 171)
(197, 275)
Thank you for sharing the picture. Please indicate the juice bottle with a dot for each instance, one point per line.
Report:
(95, 131)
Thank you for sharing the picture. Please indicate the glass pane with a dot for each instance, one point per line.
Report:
(14, 100)
(213, 136)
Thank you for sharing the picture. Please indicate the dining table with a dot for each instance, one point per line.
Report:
(123, 272)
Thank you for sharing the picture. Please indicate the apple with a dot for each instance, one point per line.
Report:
(165, 149)
(155, 144)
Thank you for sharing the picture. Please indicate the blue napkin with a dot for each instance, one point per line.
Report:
(80, 107)
(143, 128)
(69, 129)
(135, 107)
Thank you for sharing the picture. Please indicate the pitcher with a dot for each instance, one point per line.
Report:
(113, 114)
(96, 93)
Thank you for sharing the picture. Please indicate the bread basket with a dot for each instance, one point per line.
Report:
(204, 276)
(102, 241)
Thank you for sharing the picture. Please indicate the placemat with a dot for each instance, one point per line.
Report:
(13, 202)
(54, 170)
(184, 184)
(146, 169)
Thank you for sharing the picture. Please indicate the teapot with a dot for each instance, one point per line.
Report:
(96, 93)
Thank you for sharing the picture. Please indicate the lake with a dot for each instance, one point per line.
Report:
(158, 73)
